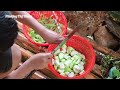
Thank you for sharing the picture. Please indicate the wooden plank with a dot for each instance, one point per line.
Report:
(19, 24)
(37, 75)
(97, 70)
(91, 76)
(47, 72)
(25, 53)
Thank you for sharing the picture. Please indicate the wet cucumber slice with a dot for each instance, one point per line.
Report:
(71, 63)
(36, 37)
(49, 23)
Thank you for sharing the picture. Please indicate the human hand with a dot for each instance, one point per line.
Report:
(40, 60)
(52, 37)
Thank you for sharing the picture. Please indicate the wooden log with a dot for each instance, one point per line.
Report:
(24, 52)
(102, 49)
(91, 76)
(47, 72)
(97, 70)
(19, 24)
(113, 27)
(37, 75)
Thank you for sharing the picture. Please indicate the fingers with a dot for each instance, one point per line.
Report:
(48, 59)
(65, 35)
(49, 55)
(59, 40)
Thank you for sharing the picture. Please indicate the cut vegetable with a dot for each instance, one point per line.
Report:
(70, 63)
(36, 37)
(69, 50)
(73, 53)
(62, 66)
(62, 60)
(57, 52)
(49, 23)
(67, 62)
(76, 69)
(61, 55)
(71, 74)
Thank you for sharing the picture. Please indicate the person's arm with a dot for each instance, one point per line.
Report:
(48, 35)
(38, 61)
(21, 72)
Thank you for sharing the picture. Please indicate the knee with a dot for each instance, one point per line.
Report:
(16, 56)
(16, 59)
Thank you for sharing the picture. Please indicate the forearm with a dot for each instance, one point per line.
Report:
(48, 35)
(21, 72)
(31, 22)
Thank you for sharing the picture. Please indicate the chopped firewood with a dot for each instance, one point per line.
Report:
(37, 75)
(102, 49)
(113, 27)
(20, 26)
(91, 76)
(97, 70)
(25, 53)
(47, 72)
(103, 37)
(91, 19)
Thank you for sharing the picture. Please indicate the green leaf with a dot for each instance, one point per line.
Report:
(115, 15)
(111, 72)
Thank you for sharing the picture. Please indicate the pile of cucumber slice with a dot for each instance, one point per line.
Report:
(68, 62)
